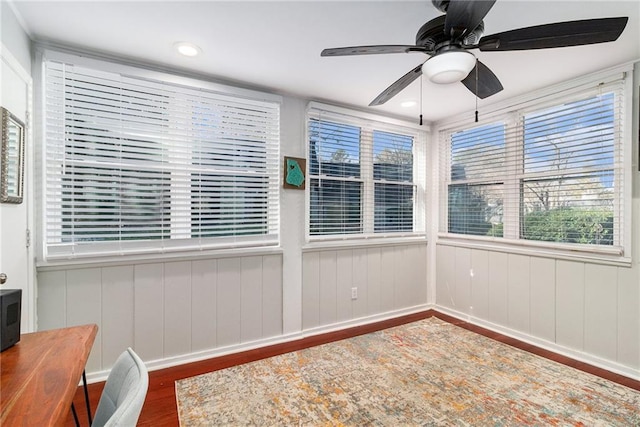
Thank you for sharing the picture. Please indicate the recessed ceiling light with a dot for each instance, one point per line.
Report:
(187, 49)
(407, 104)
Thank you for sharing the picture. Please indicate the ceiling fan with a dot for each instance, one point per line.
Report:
(448, 38)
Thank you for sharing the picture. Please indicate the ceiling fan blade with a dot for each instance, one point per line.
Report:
(488, 83)
(371, 50)
(464, 16)
(560, 34)
(397, 86)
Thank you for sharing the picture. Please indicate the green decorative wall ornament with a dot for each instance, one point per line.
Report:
(294, 172)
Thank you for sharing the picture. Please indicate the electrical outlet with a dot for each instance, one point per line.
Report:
(354, 293)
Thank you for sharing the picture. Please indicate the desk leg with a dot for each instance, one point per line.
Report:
(75, 414)
(86, 396)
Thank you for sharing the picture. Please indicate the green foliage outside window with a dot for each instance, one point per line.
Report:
(570, 225)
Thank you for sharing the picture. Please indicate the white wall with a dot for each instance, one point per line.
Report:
(586, 310)
(388, 279)
(14, 37)
(169, 312)
(292, 217)
(16, 259)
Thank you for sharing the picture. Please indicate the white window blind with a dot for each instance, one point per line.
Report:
(394, 187)
(477, 180)
(363, 179)
(572, 156)
(336, 184)
(550, 172)
(134, 165)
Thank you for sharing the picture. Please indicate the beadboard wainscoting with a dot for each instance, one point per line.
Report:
(174, 312)
(584, 310)
(167, 311)
(386, 278)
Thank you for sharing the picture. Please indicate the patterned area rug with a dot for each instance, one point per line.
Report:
(429, 373)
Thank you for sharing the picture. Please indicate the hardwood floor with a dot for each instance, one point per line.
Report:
(160, 406)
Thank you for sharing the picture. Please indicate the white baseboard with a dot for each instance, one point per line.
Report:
(366, 320)
(581, 356)
(153, 365)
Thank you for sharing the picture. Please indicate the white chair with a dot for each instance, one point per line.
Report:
(124, 393)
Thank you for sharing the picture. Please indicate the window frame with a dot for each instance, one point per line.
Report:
(101, 252)
(511, 112)
(368, 123)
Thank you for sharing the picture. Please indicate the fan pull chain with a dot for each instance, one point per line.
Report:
(476, 90)
(420, 100)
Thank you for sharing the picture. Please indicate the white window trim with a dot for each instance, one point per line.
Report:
(138, 252)
(551, 95)
(356, 118)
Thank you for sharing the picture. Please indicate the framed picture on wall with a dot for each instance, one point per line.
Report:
(11, 158)
(294, 172)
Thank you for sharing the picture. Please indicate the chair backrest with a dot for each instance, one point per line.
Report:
(124, 392)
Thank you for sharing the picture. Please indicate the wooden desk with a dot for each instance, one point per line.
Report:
(40, 375)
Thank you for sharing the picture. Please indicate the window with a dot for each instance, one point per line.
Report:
(136, 164)
(476, 189)
(549, 172)
(363, 177)
(393, 182)
(336, 185)
(570, 155)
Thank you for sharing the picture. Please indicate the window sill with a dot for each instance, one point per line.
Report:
(539, 249)
(363, 242)
(152, 258)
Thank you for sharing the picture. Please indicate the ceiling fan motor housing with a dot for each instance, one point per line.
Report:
(431, 35)
(472, 38)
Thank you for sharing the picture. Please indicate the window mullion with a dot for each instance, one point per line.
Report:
(368, 197)
(420, 170)
(444, 179)
(514, 146)
(179, 152)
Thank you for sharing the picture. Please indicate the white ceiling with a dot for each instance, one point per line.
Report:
(276, 45)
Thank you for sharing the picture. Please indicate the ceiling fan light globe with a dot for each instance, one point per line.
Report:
(449, 67)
